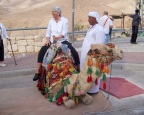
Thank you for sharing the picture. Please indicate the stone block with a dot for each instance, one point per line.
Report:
(37, 49)
(14, 47)
(30, 42)
(37, 39)
(43, 40)
(29, 37)
(22, 43)
(20, 38)
(5, 50)
(30, 48)
(38, 44)
(21, 49)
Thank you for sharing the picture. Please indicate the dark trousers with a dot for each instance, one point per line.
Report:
(134, 34)
(110, 32)
(1, 51)
(72, 49)
(73, 52)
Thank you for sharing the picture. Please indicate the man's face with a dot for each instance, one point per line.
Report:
(55, 14)
(91, 20)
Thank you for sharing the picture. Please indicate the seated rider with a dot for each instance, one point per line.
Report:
(56, 31)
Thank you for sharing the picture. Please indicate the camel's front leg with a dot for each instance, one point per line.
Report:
(69, 103)
(87, 99)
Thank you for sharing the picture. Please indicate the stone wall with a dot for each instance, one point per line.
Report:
(26, 44)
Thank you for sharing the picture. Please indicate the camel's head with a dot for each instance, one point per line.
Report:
(107, 50)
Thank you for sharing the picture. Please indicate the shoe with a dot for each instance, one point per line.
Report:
(43, 92)
(2, 65)
(133, 42)
(92, 93)
(36, 76)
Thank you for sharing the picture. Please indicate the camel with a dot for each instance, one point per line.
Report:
(65, 85)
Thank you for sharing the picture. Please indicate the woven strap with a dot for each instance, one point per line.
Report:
(105, 22)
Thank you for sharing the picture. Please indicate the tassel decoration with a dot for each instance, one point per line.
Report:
(45, 96)
(61, 74)
(55, 69)
(108, 71)
(104, 85)
(96, 64)
(104, 70)
(97, 73)
(49, 67)
(96, 81)
(60, 81)
(46, 89)
(76, 100)
(67, 81)
(102, 66)
(89, 79)
(80, 92)
(38, 85)
(70, 94)
(104, 77)
(90, 63)
(58, 66)
(89, 71)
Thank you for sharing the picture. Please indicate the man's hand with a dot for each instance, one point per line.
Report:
(47, 42)
(56, 38)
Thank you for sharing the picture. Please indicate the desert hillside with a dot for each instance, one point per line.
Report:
(36, 13)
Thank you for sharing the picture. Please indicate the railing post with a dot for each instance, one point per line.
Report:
(73, 5)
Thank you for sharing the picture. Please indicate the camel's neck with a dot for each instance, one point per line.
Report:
(95, 67)
(89, 70)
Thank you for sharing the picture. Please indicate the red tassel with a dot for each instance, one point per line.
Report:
(96, 81)
(104, 85)
(102, 66)
(38, 85)
(45, 96)
(90, 78)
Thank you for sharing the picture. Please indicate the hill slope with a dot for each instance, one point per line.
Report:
(36, 13)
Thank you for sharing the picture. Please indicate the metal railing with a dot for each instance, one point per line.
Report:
(115, 30)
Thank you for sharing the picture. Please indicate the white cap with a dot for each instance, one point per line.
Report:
(95, 15)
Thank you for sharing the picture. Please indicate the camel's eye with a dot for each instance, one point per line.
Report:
(121, 51)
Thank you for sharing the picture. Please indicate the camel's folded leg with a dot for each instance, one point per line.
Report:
(69, 103)
(86, 99)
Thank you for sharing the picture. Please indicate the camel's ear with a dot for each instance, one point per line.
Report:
(111, 45)
(108, 48)
(94, 46)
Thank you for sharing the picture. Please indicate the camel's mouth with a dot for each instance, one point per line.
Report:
(120, 56)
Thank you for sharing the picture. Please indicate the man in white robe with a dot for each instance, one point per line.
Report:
(95, 35)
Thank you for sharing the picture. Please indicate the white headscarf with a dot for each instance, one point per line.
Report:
(95, 15)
